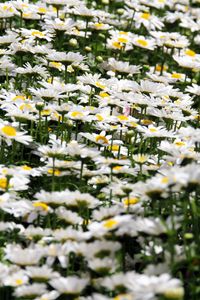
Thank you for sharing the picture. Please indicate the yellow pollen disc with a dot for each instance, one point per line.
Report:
(101, 139)
(9, 131)
(103, 94)
(141, 159)
(122, 40)
(26, 15)
(99, 85)
(19, 97)
(3, 183)
(41, 205)
(56, 172)
(170, 163)
(179, 144)
(117, 45)
(26, 168)
(99, 117)
(165, 180)
(123, 32)
(159, 68)
(142, 43)
(110, 223)
(176, 75)
(130, 201)
(190, 52)
(153, 129)
(19, 281)
(117, 168)
(37, 33)
(55, 64)
(123, 297)
(76, 114)
(25, 106)
(145, 16)
(45, 112)
(98, 25)
(114, 147)
(42, 10)
(122, 118)
(146, 122)
(133, 124)
(178, 101)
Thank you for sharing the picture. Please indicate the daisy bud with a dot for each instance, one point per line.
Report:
(120, 11)
(188, 236)
(69, 123)
(99, 58)
(130, 133)
(105, 1)
(88, 49)
(73, 42)
(101, 35)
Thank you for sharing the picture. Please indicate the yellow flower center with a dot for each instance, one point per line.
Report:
(103, 94)
(19, 97)
(133, 124)
(190, 52)
(19, 281)
(101, 139)
(123, 32)
(146, 122)
(159, 68)
(25, 106)
(117, 45)
(56, 172)
(141, 158)
(123, 297)
(176, 75)
(130, 201)
(37, 33)
(122, 40)
(76, 114)
(114, 147)
(55, 64)
(98, 25)
(26, 15)
(142, 43)
(3, 183)
(41, 205)
(110, 223)
(9, 131)
(99, 117)
(165, 180)
(122, 118)
(145, 16)
(42, 10)
(26, 168)
(99, 85)
(153, 129)
(179, 143)
(117, 168)
(45, 112)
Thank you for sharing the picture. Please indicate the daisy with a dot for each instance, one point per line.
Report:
(151, 22)
(9, 133)
(120, 66)
(71, 285)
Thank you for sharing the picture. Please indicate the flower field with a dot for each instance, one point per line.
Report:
(100, 150)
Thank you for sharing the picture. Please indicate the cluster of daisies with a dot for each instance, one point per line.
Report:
(100, 149)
